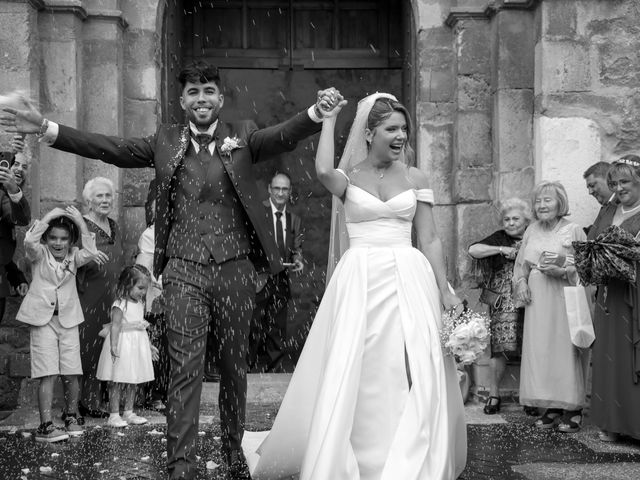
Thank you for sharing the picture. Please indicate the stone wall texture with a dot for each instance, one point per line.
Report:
(506, 94)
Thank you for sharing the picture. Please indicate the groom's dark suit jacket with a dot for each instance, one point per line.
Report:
(165, 150)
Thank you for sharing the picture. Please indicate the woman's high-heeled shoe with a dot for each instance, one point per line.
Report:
(605, 436)
(492, 406)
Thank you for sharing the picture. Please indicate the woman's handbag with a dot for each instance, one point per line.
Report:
(577, 302)
(491, 298)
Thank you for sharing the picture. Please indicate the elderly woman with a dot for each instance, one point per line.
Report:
(552, 373)
(615, 398)
(95, 283)
(495, 256)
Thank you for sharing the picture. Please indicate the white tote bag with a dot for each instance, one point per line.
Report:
(577, 301)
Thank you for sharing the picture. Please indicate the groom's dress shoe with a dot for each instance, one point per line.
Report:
(237, 464)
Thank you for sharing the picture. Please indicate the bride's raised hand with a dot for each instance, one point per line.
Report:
(330, 102)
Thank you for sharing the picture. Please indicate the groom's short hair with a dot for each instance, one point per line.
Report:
(199, 72)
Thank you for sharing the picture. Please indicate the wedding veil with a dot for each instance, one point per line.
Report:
(355, 150)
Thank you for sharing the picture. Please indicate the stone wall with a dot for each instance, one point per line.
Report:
(587, 91)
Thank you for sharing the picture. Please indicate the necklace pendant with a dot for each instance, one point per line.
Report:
(381, 175)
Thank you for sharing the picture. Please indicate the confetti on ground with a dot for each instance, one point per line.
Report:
(211, 465)
(54, 455)
(25, 470)
(145, 458)
(46, 469)
(201, 433)
(155, 432)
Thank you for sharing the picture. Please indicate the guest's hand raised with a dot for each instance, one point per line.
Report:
(329, 102)
(17, 143)
(7, 178)
(28, 120)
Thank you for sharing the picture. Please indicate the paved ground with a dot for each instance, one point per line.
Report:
(504, 446)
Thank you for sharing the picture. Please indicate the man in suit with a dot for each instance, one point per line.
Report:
(209, 239)
(15, 210)
(268, 329)
(596, 179)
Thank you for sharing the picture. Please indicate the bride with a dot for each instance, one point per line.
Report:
(373, 397)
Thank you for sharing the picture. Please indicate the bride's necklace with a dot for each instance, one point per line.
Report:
(380, 171)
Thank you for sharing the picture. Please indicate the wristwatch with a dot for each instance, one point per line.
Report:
(43, 128)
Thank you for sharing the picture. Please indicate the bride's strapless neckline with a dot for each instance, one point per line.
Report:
(378, 198)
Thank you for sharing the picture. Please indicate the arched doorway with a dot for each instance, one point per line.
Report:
(273, 56)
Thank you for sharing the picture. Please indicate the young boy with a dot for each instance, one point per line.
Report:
(53, 310)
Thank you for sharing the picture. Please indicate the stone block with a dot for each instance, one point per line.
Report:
(473, 185)
(435, 47)
(473, 140)
(61, 177)
(565, 148)
(437, 85)
(473, 46)
(435, 156)
(474, 93)
(559, 19)
(517, 183)
(618, 62)
(513, 129)
(59, 26)
(435, 112)
(474, 222)
(514, 62)
(142, 14)
(432, 13)
(562, 66)
(140, 118)
(19, 365)
(141, 78)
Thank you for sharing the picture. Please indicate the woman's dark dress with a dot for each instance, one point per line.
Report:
(615, 397)
(506, 319)
(95, 289)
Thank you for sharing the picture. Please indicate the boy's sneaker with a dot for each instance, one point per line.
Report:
(133, 419)
(116, 421)
(72, 425)
(48, 432)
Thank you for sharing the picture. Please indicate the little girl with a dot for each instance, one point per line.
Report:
(126, 358)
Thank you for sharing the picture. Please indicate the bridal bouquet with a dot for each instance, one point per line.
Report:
(464, 335)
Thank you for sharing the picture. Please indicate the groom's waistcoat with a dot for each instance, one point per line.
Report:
(208, 221)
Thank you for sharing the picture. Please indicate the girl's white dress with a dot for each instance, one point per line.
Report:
(134, 365)
(373, 396)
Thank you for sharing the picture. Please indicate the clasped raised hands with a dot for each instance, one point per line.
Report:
(330, 102)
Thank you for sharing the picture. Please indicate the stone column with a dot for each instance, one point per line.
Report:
(472, 151)
(60, 28)
(512, 82)
(102, 83)
(141, 98)
(435, 112)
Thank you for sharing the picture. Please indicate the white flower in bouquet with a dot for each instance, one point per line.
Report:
(465, 336)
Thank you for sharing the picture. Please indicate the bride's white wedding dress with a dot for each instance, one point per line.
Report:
(372, 396)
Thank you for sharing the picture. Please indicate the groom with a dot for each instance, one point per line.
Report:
(210, 235)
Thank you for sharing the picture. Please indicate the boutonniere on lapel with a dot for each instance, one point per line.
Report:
(229, 145)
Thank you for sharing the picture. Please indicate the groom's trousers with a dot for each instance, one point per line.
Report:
(216, 298)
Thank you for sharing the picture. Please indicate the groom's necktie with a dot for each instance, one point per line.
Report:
(203, 141)
(280, 237)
